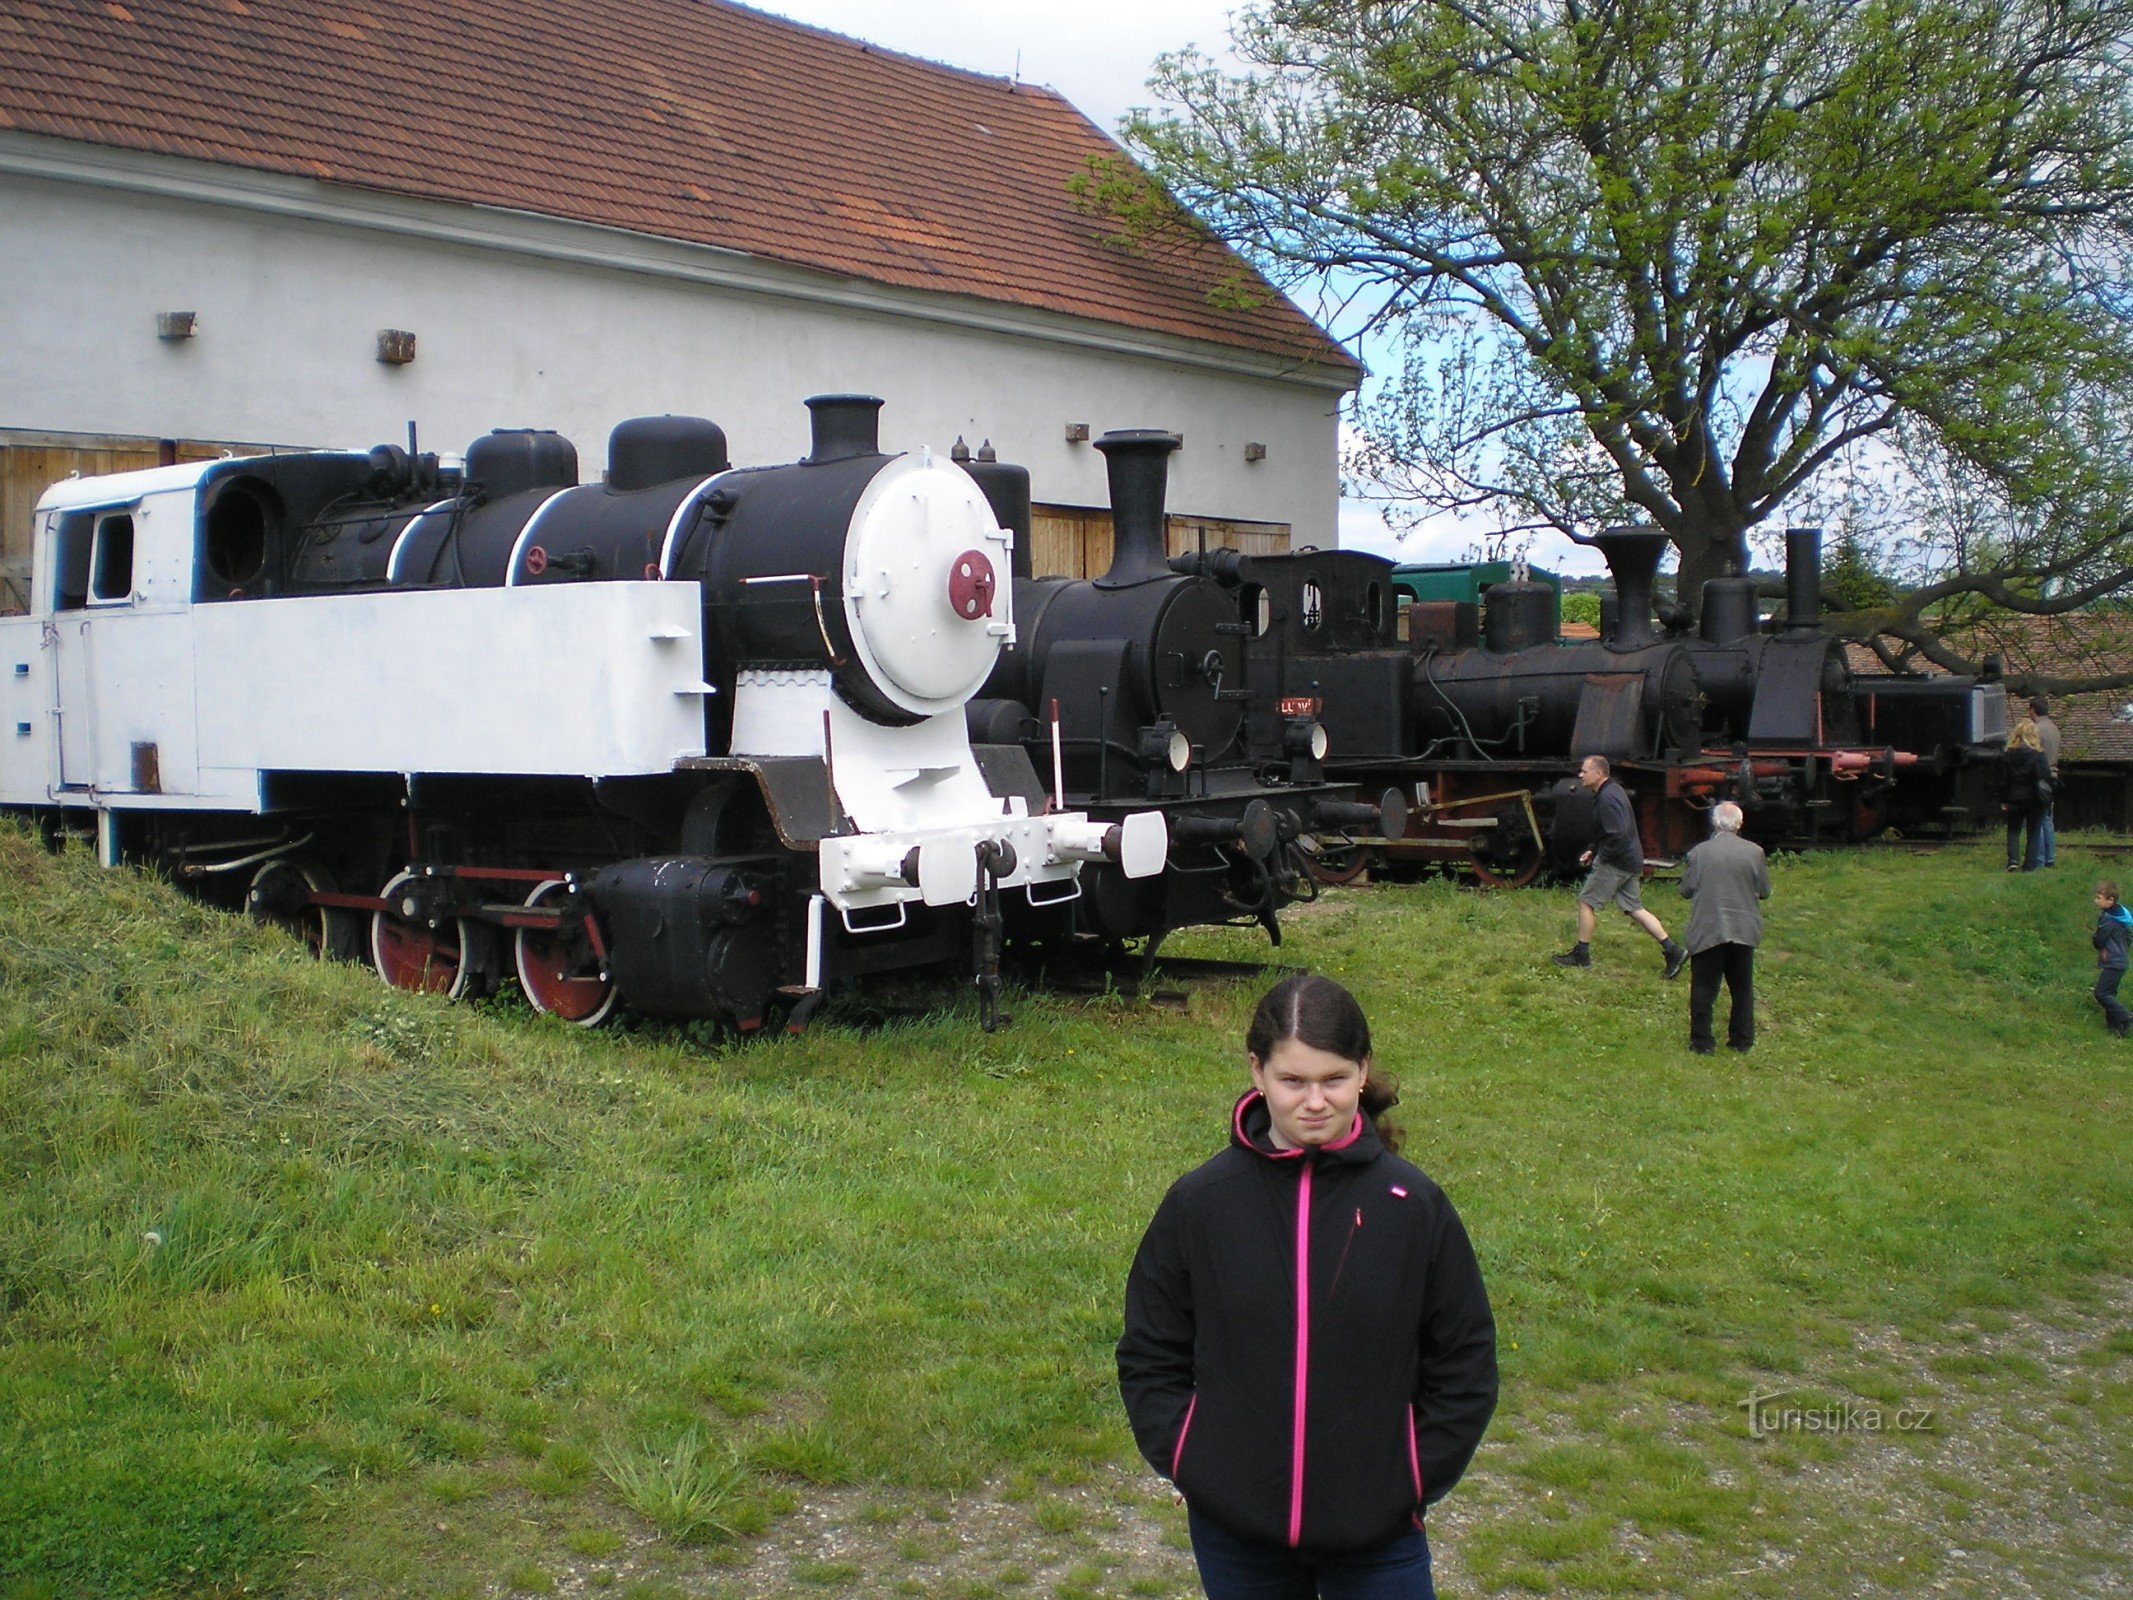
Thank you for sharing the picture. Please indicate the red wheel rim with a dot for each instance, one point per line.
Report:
(411, 956)
(559, 971)
(1523, 869)
(1339, 866)
(1515, 865)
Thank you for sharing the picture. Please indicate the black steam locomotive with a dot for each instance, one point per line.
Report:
(1484, 711)
(1146, 689)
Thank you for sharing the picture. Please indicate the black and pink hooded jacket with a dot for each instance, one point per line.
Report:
(1321, 1408)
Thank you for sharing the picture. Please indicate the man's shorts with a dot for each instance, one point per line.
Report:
(1606, 883)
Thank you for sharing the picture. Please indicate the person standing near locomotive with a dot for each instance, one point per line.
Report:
(1308, 1351)
(1725, 880)
(2025, 790)
(2040, 712)
(1617, 862)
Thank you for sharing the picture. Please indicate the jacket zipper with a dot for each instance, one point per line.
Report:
(1414, 1453)
(1303, 1353)
(1347, 1245)
(1177, 1456)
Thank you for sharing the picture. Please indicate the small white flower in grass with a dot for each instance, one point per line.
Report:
(151, 1238)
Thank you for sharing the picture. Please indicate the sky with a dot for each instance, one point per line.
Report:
(1100, 55)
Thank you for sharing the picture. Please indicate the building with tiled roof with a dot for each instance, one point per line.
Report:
(2093, 643)
(288, 222)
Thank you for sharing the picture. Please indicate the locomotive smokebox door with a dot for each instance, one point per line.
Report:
(928, 644)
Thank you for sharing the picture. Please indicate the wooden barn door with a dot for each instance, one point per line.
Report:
(1075, 541)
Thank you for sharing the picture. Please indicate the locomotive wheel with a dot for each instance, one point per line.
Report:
(411, 955)
(558, 970)
(1505, 860)
(1340, 864)
(280, 896)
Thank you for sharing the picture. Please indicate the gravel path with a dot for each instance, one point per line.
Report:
(2017, 1490)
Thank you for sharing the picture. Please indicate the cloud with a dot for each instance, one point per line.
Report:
(1099, 54)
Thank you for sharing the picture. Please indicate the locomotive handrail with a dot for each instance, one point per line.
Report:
(1073, 886)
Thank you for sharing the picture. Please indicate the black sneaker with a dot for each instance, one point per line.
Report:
(1573, 958)
(1676, 959)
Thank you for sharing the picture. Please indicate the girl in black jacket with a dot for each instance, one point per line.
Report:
(1308, 1353)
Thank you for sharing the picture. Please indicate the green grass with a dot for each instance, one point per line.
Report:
(317, 1288)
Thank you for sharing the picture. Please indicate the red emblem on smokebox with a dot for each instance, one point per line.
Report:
(971, 582)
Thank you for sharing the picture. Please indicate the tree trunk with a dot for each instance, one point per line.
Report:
(1707, 554)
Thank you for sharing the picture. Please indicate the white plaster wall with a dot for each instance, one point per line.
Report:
(289, 311)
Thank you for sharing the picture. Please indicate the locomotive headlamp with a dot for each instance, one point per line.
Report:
(1305, 737)
(1164, 744)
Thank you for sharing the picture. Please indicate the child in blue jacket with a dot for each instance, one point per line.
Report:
(2114, 931)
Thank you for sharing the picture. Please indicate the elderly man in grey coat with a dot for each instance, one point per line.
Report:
(1724, 879)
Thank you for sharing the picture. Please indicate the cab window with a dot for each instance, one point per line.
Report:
(92, 559)
(111, 565)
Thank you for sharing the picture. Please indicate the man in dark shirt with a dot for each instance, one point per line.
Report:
(1617, 862)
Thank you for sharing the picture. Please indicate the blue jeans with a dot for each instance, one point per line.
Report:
(2115, 1015)
(2047, 841)
(1238, 1569)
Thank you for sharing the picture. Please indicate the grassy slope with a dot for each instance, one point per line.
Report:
(432, 1292)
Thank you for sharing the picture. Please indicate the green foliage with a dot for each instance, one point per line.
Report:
(688, 1492)
(1582, 606)
(1678, 263)
(1853, 581)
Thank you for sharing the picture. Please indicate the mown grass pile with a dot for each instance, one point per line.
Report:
(311, 1286)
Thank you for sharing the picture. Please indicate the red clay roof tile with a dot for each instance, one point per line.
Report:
(697, 120)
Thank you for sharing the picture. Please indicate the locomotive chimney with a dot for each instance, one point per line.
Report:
(1006, 490)
(846, 425)
(1803, 578)
(1632, 556)
(1139, 464)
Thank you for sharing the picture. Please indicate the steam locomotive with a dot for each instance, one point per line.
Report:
(1146, 689)
(1485, 711)
(690, 738)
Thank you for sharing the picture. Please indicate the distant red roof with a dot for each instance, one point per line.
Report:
(2092, 643)
(696, 120)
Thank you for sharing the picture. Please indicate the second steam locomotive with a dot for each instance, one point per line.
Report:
(1484, 711)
